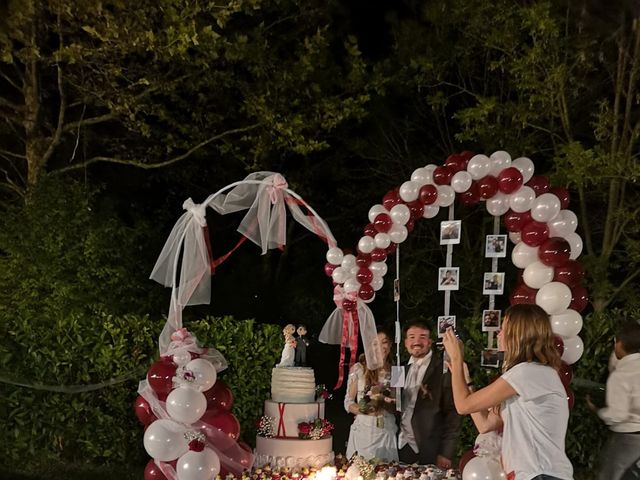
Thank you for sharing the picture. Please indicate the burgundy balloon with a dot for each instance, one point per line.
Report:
(523, 294)
(571, 397)
(455, 163)
(558, 343)
(442, 175)
(382, 223)
(363, 259)
(566, 374)
(471, 196)
(509, 180)
(391, 199)
(160, 377)
(539, 184)
(378, 255)
(579, 298)
(143, 411)
(487, 186)
(152, 472)
(535, 233)
(369, 230)
(329, 268)
(467, 155)
(554, 252)
(514, 221)
(221, 428)
(219, 396)
(428, 194)
(562, 194)
(410, 225)
(366, 292)
(364, 276)
(391, 249)
(571, 273)
(416, 209)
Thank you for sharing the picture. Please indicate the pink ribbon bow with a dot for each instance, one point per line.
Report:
(279, 183)
(339, 296)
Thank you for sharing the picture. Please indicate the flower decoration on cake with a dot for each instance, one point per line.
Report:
(265, 426)
(379, 397)
(322, 392)
(319, 428)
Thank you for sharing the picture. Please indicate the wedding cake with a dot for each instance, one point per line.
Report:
(293, 431)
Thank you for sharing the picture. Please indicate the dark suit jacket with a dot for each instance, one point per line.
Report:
(435, 422)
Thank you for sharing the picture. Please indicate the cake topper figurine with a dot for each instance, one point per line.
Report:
(289, 351)
(301, 347)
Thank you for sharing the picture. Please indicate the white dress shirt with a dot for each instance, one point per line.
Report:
(622, 413)
(409, 395)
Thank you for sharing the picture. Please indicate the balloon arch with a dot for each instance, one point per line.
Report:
(536, 217)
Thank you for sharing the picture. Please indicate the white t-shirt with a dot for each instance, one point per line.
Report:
(535, 423)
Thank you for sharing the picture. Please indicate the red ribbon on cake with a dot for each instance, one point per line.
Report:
(281, 426)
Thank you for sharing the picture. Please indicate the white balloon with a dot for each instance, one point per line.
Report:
(567, 323)
(563, 224)
(461, 181)
(366, 244)
(523, 255)
(348, 261)
(398, 233)
(400, 214)
(573, 349)
(545, 207)
(446, 195)
(354, 270)
(204, 372)
(382, 239)
(576, 245)
(515, 237)
(378, 268)
(429, 168)
(421, 176)
(164, 440)
(479, 166)
(351, 285)
(203, 465)
(375, 211)
(430, 211)
(526, 167)
(334, 256)
(181, 357)
(409, 191)
(537, 274)
(186, 405)
(483, 468)
(521, 200)
(499, 161)
(339, 274)
(377, 283)
(498, 204)
(554, 297)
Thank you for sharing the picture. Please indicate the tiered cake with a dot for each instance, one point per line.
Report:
(293, 401)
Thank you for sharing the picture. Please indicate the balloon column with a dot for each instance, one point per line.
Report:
(535, 215)
(190, 432)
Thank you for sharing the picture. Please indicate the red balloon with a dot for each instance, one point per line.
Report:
(239, 453)
(566, 374)
(579, 298)
(391, 249)
(539, 184)
(416, 209)
(523, 294)
(466, 456)
(562, 194)
(571, 397)
(378, 255)
(467, 155)
(152, 472)
(442, 175)
(143, 411)
(366, 292)
(455, 163)
(515, 221)
(558, 343)
(519, 277)
(571, 273)
(428, 194)
(410, 225)
(219, 396)
(487, 186)
(509, 180)
(364, 275)
(363, 259)
(554, 251)
(471, 196)
(535, 233)
(370, 230)
(391, 199)
(329, 268)
(160, 377)
(382, 223)
(221, 428)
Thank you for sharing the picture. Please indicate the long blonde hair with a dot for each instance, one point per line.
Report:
(528, 337)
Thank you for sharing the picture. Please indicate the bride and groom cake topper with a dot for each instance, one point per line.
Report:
(294, 353)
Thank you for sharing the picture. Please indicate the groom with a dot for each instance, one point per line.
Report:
(430, 425)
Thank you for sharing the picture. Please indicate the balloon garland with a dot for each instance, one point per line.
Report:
(537, 219)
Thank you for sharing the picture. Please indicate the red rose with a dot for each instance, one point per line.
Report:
(304, 428)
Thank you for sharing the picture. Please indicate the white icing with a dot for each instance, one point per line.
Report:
(293, 385)
(284, 452)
